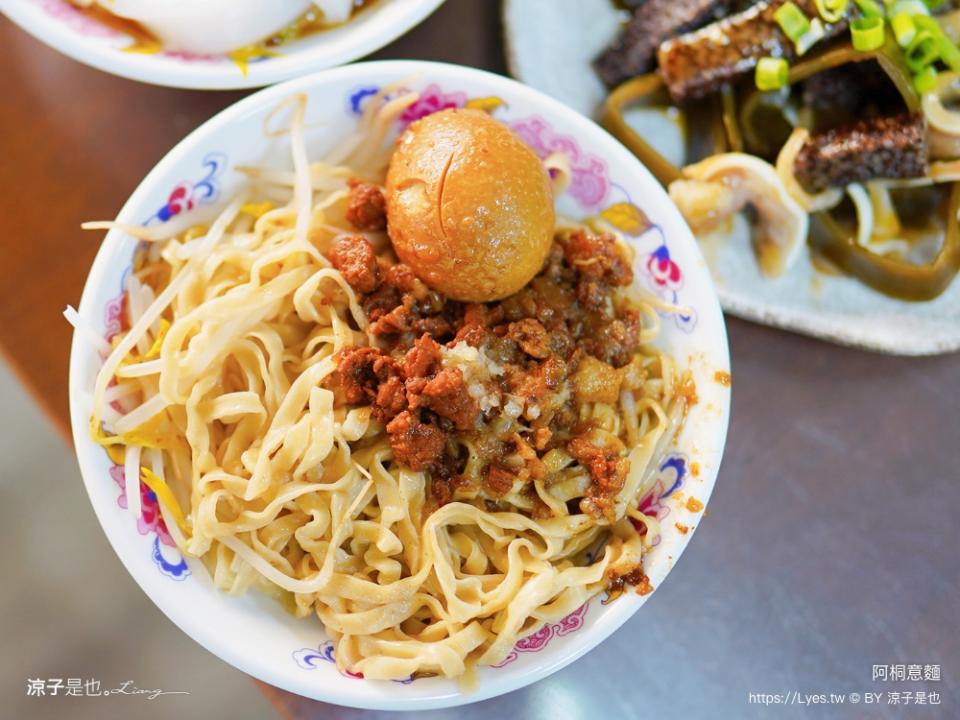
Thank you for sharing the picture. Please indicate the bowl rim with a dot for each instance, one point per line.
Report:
(367, 38)
(614, 614)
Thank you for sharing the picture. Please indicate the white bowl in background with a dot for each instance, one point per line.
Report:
(252, 632)
(69, 31)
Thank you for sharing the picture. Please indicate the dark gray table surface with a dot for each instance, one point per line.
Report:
(831, 543)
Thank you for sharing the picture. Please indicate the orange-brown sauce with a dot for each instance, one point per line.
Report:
(618, 582)
(723, 378)
(143, 41)
(644, 587)
(688, 389)
(310, 23)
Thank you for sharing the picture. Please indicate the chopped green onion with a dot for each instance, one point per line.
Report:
(869, 8)
(792, 21)
(904, 29)
(910, 7)
(925, 80)
(867, 33)
(831, 10)
(811, 37)
(922, 51)
(771, 73)
(925, 22)
(949, 53)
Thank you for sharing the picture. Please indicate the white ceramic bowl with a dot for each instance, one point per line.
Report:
(252, 632)
(67, 30)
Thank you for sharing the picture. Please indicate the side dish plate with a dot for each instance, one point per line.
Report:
(550, 47)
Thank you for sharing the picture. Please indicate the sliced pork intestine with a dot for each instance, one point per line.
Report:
(716, 188)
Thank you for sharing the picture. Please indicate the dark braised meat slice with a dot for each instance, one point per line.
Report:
(355, 258)
(853, 90)
(888, 147)
(366, 207)
(632, 53)
(703, 61)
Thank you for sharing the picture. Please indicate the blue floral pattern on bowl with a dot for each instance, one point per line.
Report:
(185, 196)
(307, 659)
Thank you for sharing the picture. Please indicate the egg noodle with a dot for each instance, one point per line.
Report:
(214, 399)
